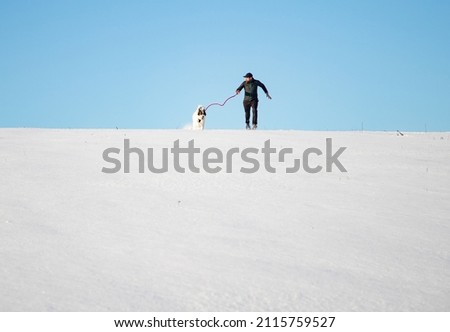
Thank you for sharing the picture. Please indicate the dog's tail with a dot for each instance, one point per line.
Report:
(187, 126)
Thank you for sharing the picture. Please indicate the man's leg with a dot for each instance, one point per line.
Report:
(255, 113)
(247, 106)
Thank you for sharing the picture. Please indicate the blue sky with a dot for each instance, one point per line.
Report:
(329, 65)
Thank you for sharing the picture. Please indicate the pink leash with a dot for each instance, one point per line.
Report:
(218, 104)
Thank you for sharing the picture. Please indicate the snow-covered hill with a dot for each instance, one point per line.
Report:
(74, 238)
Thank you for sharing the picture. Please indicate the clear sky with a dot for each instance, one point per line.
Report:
(329, 65)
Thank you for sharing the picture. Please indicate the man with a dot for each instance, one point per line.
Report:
(251, 98)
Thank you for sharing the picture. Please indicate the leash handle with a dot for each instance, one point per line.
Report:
(218, 104)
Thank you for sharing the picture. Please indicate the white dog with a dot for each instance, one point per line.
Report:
(198, 118)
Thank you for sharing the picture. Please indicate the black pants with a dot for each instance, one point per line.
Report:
(251, 104)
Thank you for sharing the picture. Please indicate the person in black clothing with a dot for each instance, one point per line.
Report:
(250, 85)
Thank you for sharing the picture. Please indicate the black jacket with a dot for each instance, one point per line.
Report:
(251, 89)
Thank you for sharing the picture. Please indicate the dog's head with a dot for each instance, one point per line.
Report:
(201, 112)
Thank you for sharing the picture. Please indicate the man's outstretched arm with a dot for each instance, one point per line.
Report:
(238, 90)
(261, 84)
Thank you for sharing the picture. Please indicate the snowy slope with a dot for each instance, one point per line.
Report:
(72, 238)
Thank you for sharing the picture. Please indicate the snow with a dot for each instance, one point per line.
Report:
(375, 238)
